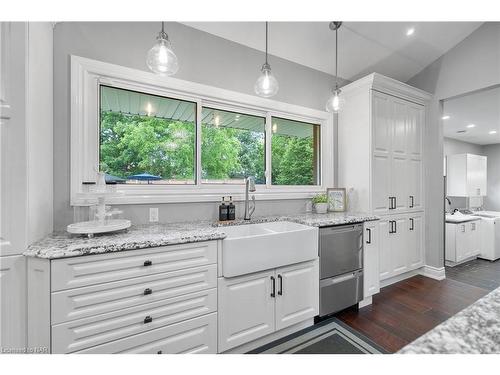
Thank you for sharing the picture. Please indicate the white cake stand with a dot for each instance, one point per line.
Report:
(94, 227)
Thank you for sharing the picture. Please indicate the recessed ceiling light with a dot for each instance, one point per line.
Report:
(445, 117)
(492, 132)
(471, 126)
(410, 31)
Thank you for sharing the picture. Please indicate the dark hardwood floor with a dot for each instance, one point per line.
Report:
(402, 312)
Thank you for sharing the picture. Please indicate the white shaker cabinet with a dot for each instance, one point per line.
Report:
(463, 241)
(466, 175)
(12, 302)
(297, 293)
(386, 119)
(255, 305)
(246, 308)
(401, 244)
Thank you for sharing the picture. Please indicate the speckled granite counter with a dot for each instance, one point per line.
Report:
(63, 245)
(473, 330)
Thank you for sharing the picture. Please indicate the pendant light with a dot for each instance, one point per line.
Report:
(266, 85)
(161, 59)
(333, 102)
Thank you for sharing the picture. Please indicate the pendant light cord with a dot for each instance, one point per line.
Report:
(267, 26)
(336, 56)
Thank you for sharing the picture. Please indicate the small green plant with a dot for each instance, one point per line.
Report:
(320, 198)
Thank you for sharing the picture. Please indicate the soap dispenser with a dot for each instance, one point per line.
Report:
(223, 210)
(231, 210)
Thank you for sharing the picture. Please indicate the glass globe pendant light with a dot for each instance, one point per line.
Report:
(266, 85)
(333, 102)
(161, 59)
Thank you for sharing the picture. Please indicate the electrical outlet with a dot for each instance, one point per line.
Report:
(153, 215)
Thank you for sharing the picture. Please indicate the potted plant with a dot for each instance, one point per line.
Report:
(320, 202)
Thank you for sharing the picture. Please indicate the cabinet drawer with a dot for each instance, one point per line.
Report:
(99, 299)
(198, 335)
(96, 269)
(95, 330)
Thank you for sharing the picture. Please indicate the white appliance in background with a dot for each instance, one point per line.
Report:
(490, 234)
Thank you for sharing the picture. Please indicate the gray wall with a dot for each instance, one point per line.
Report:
(492, 200)
(453, 146)
(203, 58)
(471, 65)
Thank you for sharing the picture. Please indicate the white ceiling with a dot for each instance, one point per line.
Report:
(481, 109)
(364, 47)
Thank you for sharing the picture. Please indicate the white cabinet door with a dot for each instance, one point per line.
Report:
(415, 241)
(415, 124)
(476, 175)
(399, 245)
(382, 122)
(475, 237)
(462, 242)
(371, 274)
(385, 268)
(297, 293)
(245, 308)
(399, 182)
(415, 188)
(381, 185)
(13, 302)
(399, 127)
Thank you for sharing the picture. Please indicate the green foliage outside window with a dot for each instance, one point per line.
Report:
(134, 144)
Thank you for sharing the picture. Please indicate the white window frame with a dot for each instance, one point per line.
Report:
(86, 77)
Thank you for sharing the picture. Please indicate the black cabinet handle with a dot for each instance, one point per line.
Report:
(369, 240)
(273, 293)
(412, 204)
(390, 203)
(148, 319)
(412, 224)
(395, 226)
(147, 263)
(280, 291)
(148, 291)
(395, 203)
(159, 352)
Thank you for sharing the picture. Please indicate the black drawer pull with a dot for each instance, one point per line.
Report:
(148, 319)
(147, 263)
(369, 240)
(159, 352)
(148, 291)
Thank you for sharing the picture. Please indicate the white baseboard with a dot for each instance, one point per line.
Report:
(437, 273)
(366, 302)
(400, 277)
(245, 348)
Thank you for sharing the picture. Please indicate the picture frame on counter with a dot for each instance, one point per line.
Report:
(337, 201)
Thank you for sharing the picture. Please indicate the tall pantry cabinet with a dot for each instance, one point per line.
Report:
(380, 136)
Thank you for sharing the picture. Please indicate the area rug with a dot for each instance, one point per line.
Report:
(329, 337)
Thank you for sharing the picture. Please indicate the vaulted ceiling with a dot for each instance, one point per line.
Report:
(364, 47)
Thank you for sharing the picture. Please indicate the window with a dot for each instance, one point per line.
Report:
(232, 147)
(169, 140)
(295, 150)
(146, 139)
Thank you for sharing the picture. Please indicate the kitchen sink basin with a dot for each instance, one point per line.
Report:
(459, 218)
(256, 247)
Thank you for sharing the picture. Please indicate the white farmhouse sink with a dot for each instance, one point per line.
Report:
(256, 247)
(460, 218)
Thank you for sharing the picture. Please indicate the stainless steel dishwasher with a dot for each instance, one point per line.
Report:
(341, 267)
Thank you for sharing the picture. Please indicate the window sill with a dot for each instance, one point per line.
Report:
(136, 196)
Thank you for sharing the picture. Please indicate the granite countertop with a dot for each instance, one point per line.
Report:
(474, 330)
(63, 244)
